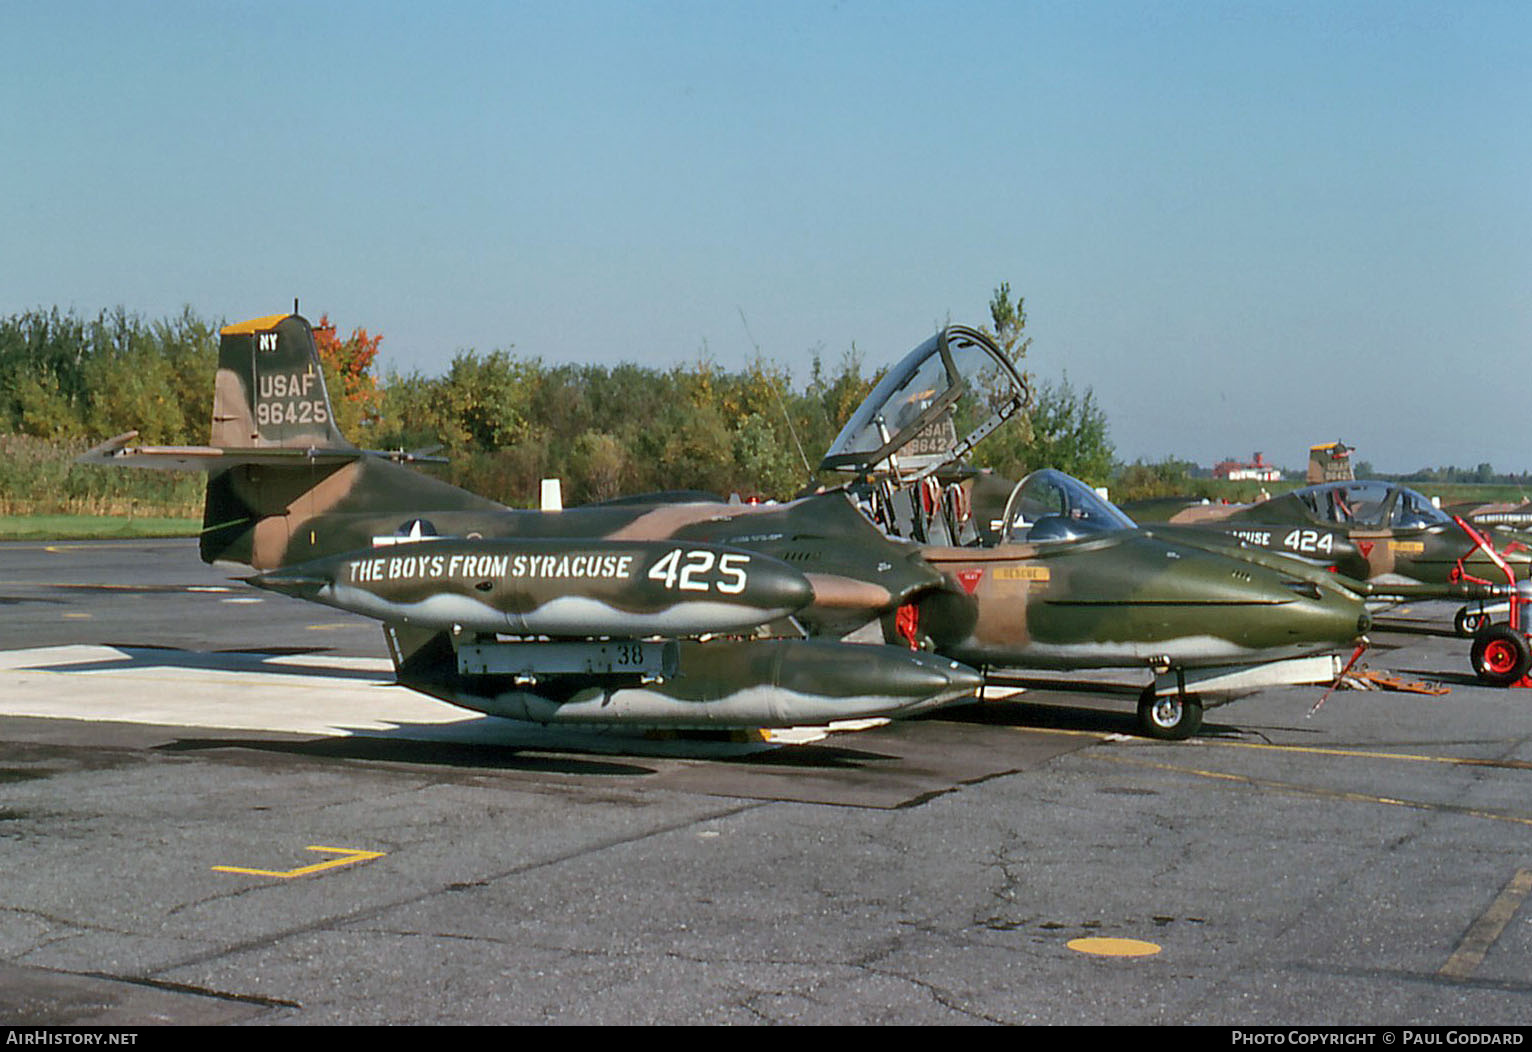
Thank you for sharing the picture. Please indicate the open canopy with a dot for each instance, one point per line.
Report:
(931, 408)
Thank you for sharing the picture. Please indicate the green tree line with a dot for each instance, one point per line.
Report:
(503, 420)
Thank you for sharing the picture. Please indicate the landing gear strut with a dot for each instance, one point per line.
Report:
(1169, 717)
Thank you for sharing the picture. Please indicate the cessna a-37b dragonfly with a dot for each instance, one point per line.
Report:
(1390, 543)
(874, 598)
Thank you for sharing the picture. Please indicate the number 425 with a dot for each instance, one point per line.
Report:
(689, 571)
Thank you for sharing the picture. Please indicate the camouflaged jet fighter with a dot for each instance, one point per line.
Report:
(1387, 540)
(1062, 579)
(1391, 544)
(861, 600)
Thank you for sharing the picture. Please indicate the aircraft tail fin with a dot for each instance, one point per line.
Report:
(283, 484)
(1330, 462)
(270, 390)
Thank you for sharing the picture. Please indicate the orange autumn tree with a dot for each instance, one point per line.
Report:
(348, 368)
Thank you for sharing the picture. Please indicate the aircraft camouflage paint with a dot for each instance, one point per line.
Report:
(671, 612)
(1389, 541)
(1390, 544)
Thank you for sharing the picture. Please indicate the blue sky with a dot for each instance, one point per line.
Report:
(1243, 225)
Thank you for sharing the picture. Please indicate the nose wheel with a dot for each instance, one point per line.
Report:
(1468, 621)
(1169, 717)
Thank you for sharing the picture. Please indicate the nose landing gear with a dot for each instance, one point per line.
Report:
(1169, 717)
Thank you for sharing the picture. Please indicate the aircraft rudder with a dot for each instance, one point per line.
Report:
(270, 390)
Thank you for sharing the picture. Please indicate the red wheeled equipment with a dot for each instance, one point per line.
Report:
(1501, 653)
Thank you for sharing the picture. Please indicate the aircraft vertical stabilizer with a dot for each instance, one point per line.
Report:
(1330, 462)
(270, 390)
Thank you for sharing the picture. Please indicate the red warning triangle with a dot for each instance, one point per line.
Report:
(970, 579)
(1365, 547)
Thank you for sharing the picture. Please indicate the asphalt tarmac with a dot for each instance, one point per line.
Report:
(215, 808)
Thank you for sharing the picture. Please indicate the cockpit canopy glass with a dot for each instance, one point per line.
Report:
(1371, 505)
(931, 408)
(1049, 505)
(1412, 511)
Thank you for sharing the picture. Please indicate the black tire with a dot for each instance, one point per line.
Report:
(1500, 655)
(1169, 717)
(1468, 622)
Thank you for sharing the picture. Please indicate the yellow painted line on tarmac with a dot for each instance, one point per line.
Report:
(349, 856)
(77, 617)
(1368, 754)
(1310, 750)
(332, 626)
(1310, 790)
(1103, 947)
(1067, 733)
(1487, 929)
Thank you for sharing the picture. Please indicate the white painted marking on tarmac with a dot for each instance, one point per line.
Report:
(296, 693)
(315, 694)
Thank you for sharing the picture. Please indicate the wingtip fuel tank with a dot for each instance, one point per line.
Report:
(685, 684)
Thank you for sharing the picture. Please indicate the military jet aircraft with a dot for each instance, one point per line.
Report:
(860, 600)
(1387, 538)
(1391, 544)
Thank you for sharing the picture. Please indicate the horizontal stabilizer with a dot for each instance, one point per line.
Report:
(123, 452)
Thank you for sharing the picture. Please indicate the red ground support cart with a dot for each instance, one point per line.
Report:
(1501, 652)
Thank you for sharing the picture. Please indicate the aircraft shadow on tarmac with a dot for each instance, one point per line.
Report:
(385, 749)
(142, 656)
(1446, 677)
(1053, 715)
(485, 742)
(492, 743)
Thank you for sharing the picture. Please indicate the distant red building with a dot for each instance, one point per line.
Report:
(1256, 470)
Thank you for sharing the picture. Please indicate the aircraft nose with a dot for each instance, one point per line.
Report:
(1261, 606)
(1323, 612)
